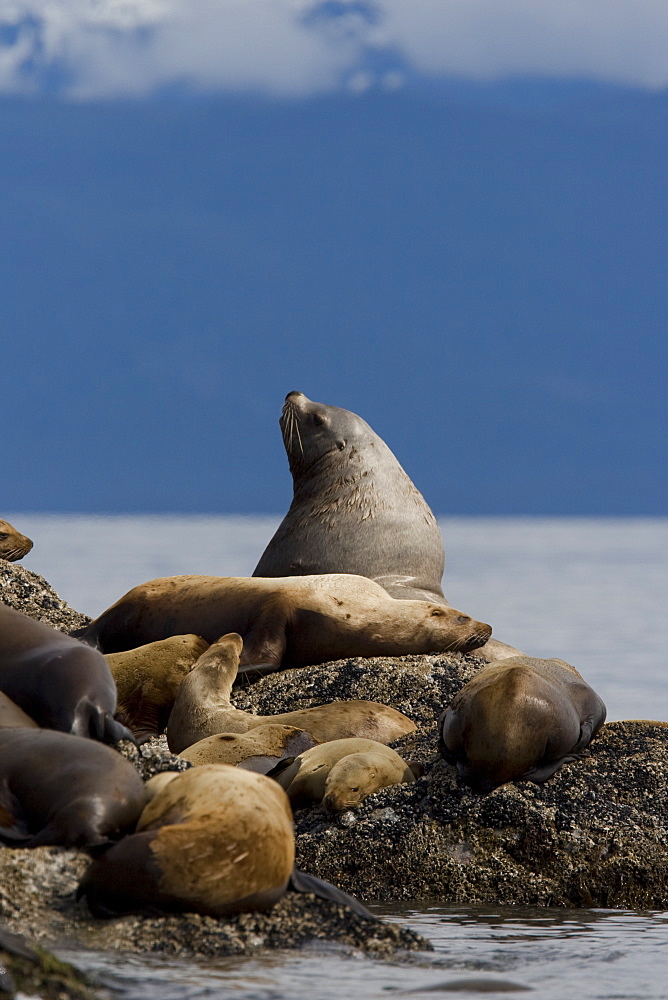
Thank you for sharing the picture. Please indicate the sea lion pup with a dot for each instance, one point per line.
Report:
(56, 788)
(147, 679)
(519, 719)
(13, 545)
(354, 508)
(259, 749)
(341, 774)
(59, 682)
(202, 707)
(13, 717)
(294, 621)
(213, 840)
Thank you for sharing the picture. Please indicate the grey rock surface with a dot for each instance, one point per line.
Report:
(29, 593)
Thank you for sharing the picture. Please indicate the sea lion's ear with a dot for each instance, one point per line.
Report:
(301, 882)
(416, 767)
(283, 765)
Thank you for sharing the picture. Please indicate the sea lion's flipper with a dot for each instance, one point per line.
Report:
(283, 765)
(113, 731)
(416, 767)
(542, 772)
(301, 882)
(87, 635)
(264, 644)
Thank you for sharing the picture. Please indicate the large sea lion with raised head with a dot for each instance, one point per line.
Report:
(354, 508)
(13, 545)
(519, 719)
(292, 621)
(213, 840)
(56, 788)
(202, 708)
(59, 682)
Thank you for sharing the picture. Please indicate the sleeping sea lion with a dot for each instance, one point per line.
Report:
(202, 708)
(213, 840)
(59, 682)
(147, 679)
(519, 719)
(56, 788)
(259, 749)
(290, 622)
(343, 773)
(13, 545)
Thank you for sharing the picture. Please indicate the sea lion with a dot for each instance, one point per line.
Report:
(519, 719)
(59, 682)
(13, 717)
(202, 708)
(286, 622)
(13, 545)
(343, 773)
(259, 749)
(354, 508)
(213, 840)
(56, 788)
(147, 679)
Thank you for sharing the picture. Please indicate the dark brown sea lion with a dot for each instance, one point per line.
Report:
(61, 789)
(147, 679)
(343, 773)
(519, 719)
(213, 840)
(202, 708)
(354, 508)
(59, 682)
(13, 545)
(260, 749)
(290, 622)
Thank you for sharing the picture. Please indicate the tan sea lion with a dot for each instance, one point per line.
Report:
(213, 840)
(290, 622)
(13, 717)
(354, 508)
(343, 773)
(147, 679)
(202, 707)
(59, 682)
(519, 719)
(56, 788)
(13, 545)
(259, 749)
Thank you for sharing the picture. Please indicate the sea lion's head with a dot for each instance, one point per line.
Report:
(13, 545)
(443, 628)
(312, 431)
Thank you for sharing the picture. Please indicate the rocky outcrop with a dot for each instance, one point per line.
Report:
(29, 593)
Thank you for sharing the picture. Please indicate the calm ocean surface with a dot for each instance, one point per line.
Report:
(592, 591)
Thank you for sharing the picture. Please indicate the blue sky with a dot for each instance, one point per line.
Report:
(447, 216)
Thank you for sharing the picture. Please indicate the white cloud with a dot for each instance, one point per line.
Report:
(100, 48)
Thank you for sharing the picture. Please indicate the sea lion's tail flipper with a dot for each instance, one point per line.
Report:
(103, 727)
(301, 882)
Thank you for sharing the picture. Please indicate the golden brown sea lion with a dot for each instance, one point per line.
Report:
(56, 788)
(519, 719)
(343, 773)
(213, 839)
(13, 717)
(13, 545)
(147, 679)
(59, 682)
(259, 749)
(288, 622)
(202, 707)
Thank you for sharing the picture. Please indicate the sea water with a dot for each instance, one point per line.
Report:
(591, 591)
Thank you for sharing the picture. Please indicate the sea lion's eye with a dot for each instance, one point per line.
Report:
(318, 419)
(354, 788)
(3, 535)
(436, 613)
